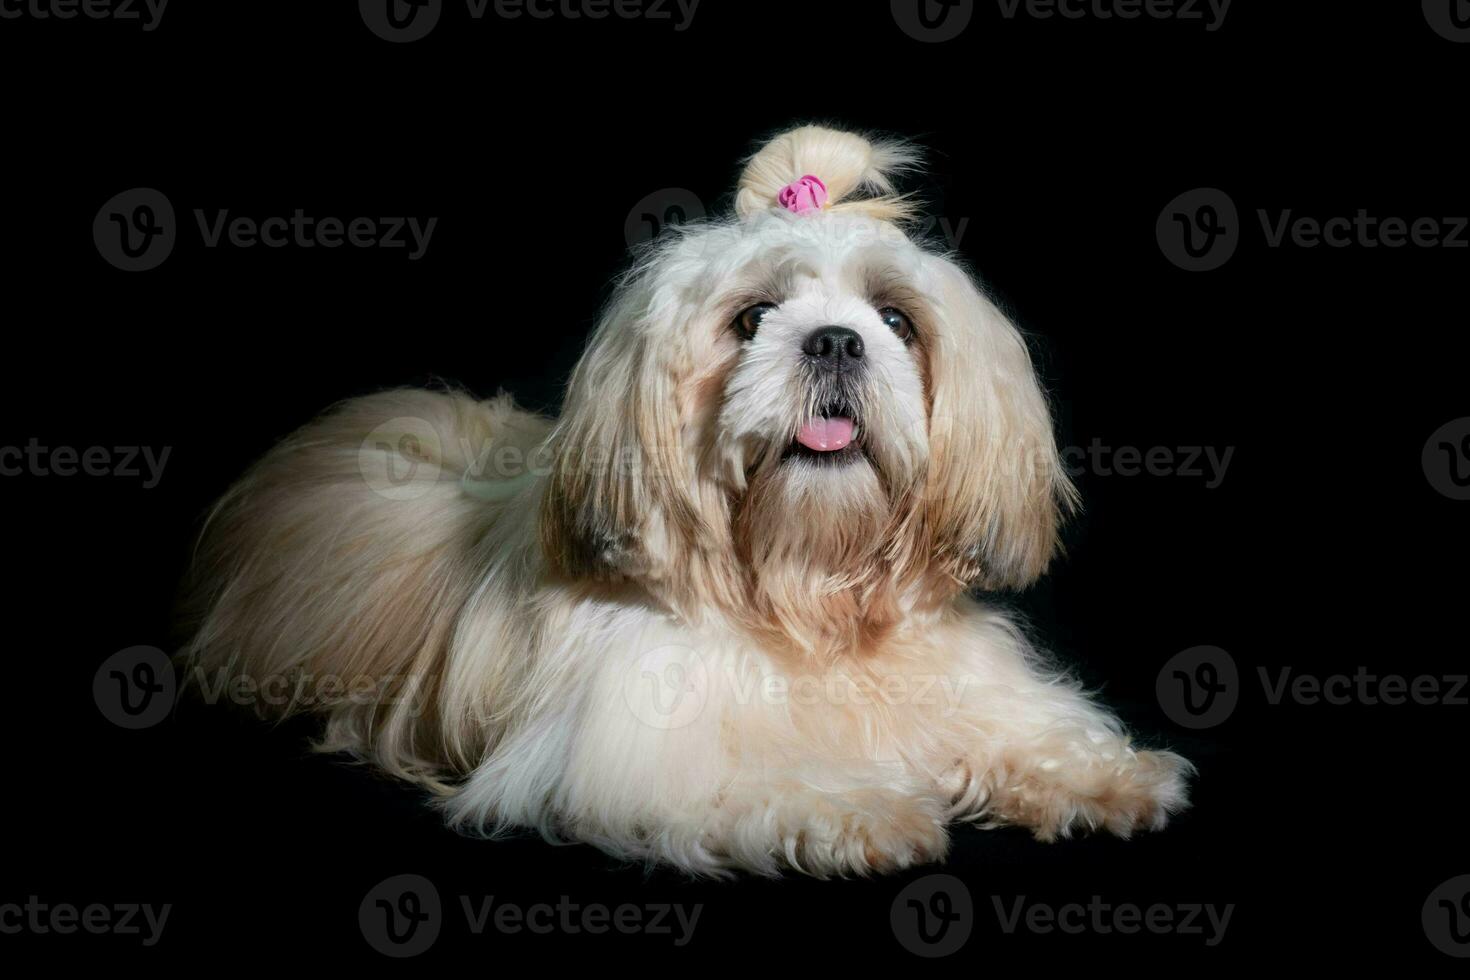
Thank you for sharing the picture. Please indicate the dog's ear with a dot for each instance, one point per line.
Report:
(620, 486)
(996, 490)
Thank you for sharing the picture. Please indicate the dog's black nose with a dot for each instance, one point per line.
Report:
(835, 348)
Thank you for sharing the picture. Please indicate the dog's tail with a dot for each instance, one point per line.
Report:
(331, 577)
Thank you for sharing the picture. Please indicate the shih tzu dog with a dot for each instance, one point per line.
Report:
(716, 615)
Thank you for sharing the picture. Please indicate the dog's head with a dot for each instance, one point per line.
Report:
(803, 418)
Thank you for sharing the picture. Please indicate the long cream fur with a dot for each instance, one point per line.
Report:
(644, 626)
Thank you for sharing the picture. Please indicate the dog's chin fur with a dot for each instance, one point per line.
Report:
(656, 623)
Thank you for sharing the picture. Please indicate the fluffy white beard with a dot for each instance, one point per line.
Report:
(809, 532)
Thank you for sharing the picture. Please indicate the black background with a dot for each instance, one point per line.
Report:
(1059, 142)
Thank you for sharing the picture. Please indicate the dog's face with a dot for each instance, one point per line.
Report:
(807, 420)
(816, 428)
(826, 389)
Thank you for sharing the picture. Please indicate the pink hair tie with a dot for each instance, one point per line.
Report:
(806, 194)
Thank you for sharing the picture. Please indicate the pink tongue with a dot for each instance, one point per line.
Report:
(826, 435)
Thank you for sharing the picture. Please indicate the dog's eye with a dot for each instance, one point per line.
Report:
(749, 320)
(898, 321)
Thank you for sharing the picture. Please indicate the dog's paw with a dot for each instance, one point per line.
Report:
(1055, 797)
(866, 846)
(834, 837)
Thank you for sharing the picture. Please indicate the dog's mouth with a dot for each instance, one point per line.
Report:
(830, 437)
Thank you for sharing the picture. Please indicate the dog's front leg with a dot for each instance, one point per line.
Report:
(1041, 754)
